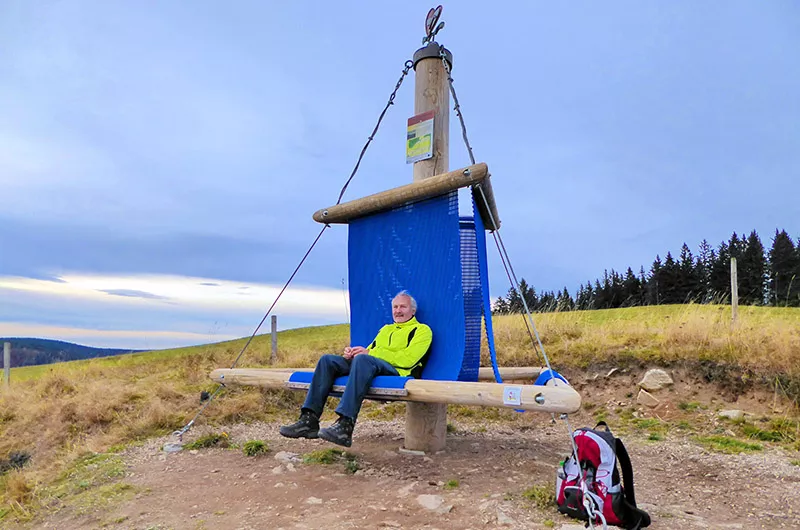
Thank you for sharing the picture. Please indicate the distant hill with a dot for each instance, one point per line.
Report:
(30, 351)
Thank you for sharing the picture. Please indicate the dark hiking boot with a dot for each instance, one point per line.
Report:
(340, 433)
(306, 427)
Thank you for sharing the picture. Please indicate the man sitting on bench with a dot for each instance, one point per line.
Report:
(398, 349)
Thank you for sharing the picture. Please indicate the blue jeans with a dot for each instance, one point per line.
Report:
(362, 370)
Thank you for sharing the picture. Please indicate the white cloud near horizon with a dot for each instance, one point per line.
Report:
(124, 339)
(188, 292)
(156, 311)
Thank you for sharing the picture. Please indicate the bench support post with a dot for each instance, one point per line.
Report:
(426, 423)
(426, 426)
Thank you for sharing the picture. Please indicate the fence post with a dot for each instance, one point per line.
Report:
(6, 364)
(274, 358)
(734, 292)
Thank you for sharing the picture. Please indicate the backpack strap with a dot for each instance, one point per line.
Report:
(640, 518)
(627, 471)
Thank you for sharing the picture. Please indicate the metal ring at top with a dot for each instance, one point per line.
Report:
(432, 51)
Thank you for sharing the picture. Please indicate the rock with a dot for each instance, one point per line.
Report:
(313, 500)
(290, 467)
(647, 399)
(503, 519)
(277, 470)
(732, 414)
(285, 456)
(655, 379)
(405, 491)
(390, 524)
(434, 503)
(612, 372)
(172, 447)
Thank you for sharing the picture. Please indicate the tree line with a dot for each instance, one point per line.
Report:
(764, 278)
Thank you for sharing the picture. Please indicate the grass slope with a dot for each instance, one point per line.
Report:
(58, 413)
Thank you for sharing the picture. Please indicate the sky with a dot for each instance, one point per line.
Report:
(160, 161)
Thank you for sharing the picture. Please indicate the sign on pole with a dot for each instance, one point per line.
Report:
(419, 137)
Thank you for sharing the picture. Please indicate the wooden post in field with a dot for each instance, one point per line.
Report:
(734, 292)
(6, 364)
(274, 357)
(426, 423)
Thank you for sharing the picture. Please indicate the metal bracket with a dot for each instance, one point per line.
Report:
(433, 51)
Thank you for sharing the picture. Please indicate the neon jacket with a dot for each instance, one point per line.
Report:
(402, 345)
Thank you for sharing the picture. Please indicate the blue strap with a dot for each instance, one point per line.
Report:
(480, 240)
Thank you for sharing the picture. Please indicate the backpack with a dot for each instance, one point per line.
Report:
(595, 473)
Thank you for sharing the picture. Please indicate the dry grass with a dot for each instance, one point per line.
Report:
(765, 340)
(59, 412)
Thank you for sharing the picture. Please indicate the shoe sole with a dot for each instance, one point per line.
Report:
(332, 439)
(310, 435)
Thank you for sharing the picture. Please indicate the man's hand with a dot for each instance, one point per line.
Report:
(349, 352)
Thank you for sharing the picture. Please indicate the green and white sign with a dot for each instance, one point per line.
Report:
(419, 138)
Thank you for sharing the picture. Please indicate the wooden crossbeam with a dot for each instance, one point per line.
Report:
(551, 399)
(417, 191)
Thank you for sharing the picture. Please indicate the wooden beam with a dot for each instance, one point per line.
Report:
(552, 399)
(414, 192)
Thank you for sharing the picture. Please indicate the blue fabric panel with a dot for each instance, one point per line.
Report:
(416, 248)
(480, 236)
(381, 381)
(471, 287)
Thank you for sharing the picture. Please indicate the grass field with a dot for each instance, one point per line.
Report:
(60, 413)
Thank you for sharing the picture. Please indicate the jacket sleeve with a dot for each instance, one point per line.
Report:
(408, 357)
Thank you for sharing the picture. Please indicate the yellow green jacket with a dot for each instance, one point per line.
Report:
(402, 345)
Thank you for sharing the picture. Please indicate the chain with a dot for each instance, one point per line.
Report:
(498, 241)
(457, 106)
(406, 68)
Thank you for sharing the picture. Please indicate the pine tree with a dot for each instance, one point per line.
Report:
(565, 302)
(752, 265)
(514, 301)
(719, 280)
(631, 289)
(705, 259)
(589, 300)
(643, 286)
(784, 273)
(687, 285)
(669, 281)
(500, 306)
(653, 294)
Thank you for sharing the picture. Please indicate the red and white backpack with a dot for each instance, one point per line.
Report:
(591, 484)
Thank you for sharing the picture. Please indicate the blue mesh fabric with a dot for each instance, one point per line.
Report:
(484, 282)
(416, 248)
(471, 287)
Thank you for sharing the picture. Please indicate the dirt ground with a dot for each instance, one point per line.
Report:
(679, 482)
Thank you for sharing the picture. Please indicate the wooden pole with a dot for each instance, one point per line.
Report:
(734, 292)
(426, 423)
(274, 357)
(6, 364)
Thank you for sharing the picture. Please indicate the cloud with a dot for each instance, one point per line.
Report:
(132, 339)
(187, 292)
(155, 311)
(132, 293)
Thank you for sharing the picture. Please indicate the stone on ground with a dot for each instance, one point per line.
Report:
(655, 379)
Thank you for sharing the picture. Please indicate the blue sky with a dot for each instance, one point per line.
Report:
(160, 161)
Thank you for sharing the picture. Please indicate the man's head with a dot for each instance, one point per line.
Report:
(404, 307)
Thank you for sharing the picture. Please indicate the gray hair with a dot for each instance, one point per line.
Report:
(413, 301)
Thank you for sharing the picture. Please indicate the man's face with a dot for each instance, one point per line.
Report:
(401, 309)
